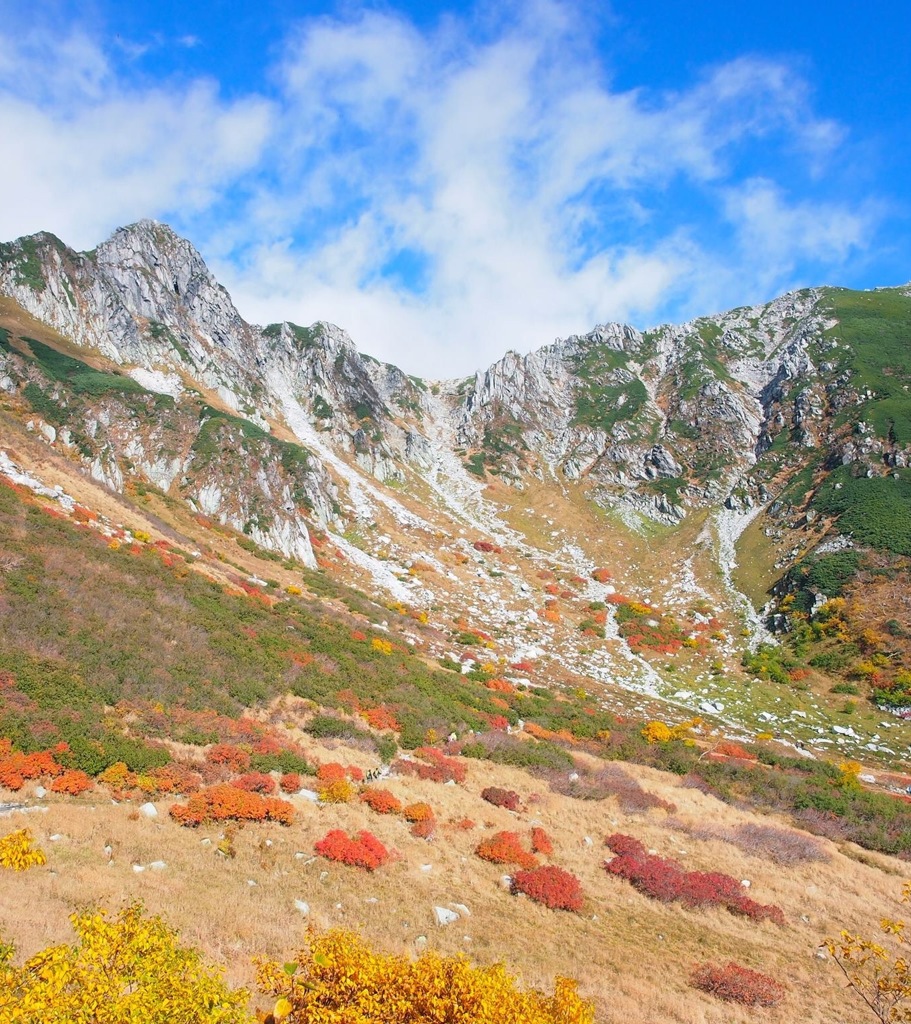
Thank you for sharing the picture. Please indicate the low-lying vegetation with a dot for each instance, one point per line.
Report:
(664, 879)
(736, 984)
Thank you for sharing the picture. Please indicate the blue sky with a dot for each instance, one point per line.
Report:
(451, 181)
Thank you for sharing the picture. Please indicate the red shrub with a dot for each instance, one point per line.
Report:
(381, 801)
(363, 851)
(291, 782)
(555, 888)
(501, 797)
(235, 758)
(664, 879)
(524, 667)
(438, 767)
(737, 984)
(621, 844)
(255, 782)
(228, 803)
(486, 547)
(506, 848)
(354, 773)
(757, 911)
(424, 829)
(72, 783)
(540, 842)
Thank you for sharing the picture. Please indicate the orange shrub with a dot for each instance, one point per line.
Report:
(72, 783)
(500, 686)
(381, 718)
(601, 575)
(438, 767)
(227, 803)
(506, 848)
(330, 772)
(381, 801)
(418, 812)
(17, 768)
(234, 758)
(291, 782)
(727, 748)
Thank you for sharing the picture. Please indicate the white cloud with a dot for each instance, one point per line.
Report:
(539, 199)
(781, 235)
(83, 152)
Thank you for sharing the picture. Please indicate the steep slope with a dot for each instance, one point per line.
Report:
(489, 502)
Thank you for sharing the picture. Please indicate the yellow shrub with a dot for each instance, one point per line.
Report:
(142, 536)
(117, 776)
(293, 590)
(18, 853)
(124, 970)
(383, 646)
(657, 732)
(339, 980)
(338, 792)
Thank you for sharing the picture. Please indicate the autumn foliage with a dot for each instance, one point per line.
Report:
(339, 978)
(227, 803)
(666, 880)
(18, 852)
(506, 798)
(540, 842)
(129, 968)
(17, 768)
(72, 783)
(363, 850)
(506, 848)
(737, 984)
(381, 801)
(434, 766)
(255, 782)
(555, 888)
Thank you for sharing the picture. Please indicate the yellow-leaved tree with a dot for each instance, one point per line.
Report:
(880, 974)
(128, 969)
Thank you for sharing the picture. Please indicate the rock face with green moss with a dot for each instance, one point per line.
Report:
(801, 405)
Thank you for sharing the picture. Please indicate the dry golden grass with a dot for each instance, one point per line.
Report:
(632, 955)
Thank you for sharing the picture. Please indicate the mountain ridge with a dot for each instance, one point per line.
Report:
(699, 431)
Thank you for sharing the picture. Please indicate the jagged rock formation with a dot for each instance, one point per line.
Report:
(664, 421)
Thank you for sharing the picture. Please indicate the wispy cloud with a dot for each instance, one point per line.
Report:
(443, 194)
(84, 151)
